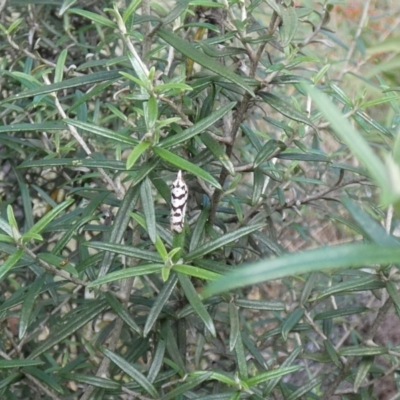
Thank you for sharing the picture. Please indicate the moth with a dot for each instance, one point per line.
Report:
(179, 197)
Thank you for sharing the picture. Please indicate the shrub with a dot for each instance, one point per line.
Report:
(292, 170)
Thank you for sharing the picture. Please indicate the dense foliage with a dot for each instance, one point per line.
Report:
(283, 119)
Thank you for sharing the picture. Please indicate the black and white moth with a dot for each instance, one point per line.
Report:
(179, 196)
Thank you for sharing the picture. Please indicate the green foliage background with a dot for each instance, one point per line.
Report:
(284, 120)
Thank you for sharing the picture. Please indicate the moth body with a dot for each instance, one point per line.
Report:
(179, 197)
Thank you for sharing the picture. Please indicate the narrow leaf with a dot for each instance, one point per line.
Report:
(205, 61)
(234, 325)
(94, 77)
(10, 262)
(159, 303)
(186, 165)
(104, 132)
(122, 312)
(195, 302)
(47, 218)
(95, 17)
(291, 322)
(148, 208)
(66, 330)
(322, 259)
(285, 108)
(136, 153)
(222, 241)
(186, 386)
(131, 371)
(199, 127)
(27, 306)
(127, 273)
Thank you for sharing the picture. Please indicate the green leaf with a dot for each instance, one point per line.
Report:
(289, 24)
(303, 157)
(63, 331)
(286, 363)
(91, 380)
(199, 127)
(353, 285)
(234, 326)
(270, 305)
(27, 306)
(59, 71)
(199, 229)
(43, 126)
(196, 272)
(26, 199)
(10, 262)
(186, 386)
(205, 61)
(322, 259)
(222, 241)
(362, 351)
(159, 303)
(131, 371)
(104, 132)
(129, 251)
(362, 372)
(47, 218)
(394, 294)
(141, 70)
(127, 273)
(136, 153)
(291, 321)
(89, 79)
(122, 312)
(157, 362)
(372, 229)
(74, 162)
(150, 113)
(285, 109)
(159, 244)
(330, 349)
(47, 379)
(268, 375)
(218, 152)
(6, 227)
(341, 312)
(173, 14)
(186, 165)
(133, 5)
(195, 302)
(268, 151)
(148, 208)
(241, 360)
(306, 387)
(258, 186)
(9, 364)
(95, 17)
